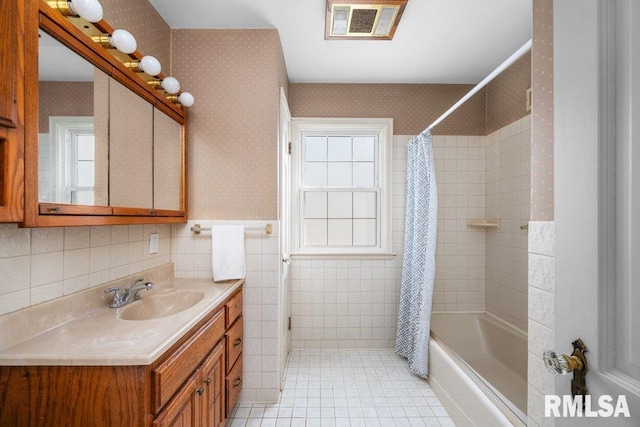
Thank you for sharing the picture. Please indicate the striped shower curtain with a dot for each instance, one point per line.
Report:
(418, 264)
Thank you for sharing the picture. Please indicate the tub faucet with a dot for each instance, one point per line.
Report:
(122, 298)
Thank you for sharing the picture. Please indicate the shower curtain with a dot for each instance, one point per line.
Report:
(418, 264)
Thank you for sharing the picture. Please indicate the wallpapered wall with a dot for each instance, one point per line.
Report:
(233, 162)
(64, 99)
(542, 120)
(415, 106)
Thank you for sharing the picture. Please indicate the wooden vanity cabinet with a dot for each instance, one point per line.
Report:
(11, 110)
(190, 385)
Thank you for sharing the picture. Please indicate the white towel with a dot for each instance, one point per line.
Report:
(227, 250)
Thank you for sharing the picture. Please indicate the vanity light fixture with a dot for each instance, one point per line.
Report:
(122, 40)
(185, 98)
(170, 85)
(91, 10)
(148, 64)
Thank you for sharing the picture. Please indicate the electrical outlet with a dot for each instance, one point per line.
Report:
(153, 243)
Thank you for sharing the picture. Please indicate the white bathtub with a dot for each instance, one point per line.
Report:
(478, 369)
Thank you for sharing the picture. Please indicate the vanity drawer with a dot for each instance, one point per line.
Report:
(234, 308)
(233, 385)
(233, 343)
(168, 376)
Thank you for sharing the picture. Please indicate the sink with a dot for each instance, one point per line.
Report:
(156, 306)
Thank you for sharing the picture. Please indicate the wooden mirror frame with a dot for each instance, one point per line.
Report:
(38, 15)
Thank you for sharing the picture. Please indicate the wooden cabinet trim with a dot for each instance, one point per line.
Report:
(233, 308)
(233, 343)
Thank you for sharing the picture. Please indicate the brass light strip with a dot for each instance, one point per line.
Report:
(62, 6)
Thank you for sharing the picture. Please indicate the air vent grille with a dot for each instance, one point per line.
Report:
(362, 20)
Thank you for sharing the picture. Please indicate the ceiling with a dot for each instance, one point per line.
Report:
(437, 41)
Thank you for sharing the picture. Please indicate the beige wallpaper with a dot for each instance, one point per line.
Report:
(64, 99)
(542, 120)
(167, 162)
(412, 106)
(233, 125)
(101, 132)
(142, 20)
(506, 95)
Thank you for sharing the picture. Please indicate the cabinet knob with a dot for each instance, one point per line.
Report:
(237, 342)
(237, 382)
(200, 390)
(207, 381)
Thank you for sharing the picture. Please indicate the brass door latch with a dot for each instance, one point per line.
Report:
(561, 364)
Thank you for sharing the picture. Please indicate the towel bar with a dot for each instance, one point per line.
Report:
(268, 229)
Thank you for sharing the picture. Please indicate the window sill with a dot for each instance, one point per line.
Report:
(381, 255)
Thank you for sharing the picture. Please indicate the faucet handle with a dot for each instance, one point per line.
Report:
(117, 296)
(116, 291)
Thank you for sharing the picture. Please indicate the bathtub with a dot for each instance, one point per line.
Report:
(478, 369)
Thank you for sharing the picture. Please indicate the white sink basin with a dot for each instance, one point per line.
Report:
(156, 306)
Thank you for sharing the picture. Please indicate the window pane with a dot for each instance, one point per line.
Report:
(316, 148)
(315, 232)
(364, 205)
(340, 232)
(315, 204)
(340, 205)
(315, 174)
(364, 232)
(364, 148)
(85, 145)
(363, 174)
(340, 148)
(340, 174)
(85, 176)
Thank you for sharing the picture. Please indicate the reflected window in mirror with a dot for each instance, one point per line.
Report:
(72, 145)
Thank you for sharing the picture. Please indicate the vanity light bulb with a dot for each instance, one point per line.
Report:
(170, 85)
(150, 65)
(186, 99)
(123, 41)
(91, 10)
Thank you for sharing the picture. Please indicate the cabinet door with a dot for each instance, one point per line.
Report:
(11, 110)
(212, 379)
(183, 410)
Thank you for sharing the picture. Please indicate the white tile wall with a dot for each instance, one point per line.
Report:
(42, 264)
(353, 303)
(192, 258)
(541, 317)
(508, 199)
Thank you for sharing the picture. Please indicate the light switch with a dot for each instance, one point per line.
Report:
(153, 243)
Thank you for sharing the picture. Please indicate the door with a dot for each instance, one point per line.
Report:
(285, 225)
(597, 198)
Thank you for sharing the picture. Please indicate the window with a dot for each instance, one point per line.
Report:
(341, 186)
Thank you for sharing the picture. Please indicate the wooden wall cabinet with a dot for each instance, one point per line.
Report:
(193, 384)
(12, 110)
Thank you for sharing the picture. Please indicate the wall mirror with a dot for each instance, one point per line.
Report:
(110, 149)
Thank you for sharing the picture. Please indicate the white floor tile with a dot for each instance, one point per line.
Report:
(347, 388)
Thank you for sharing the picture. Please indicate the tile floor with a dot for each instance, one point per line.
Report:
(347, 388)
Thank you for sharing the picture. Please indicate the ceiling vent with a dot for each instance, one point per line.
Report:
(363, 19)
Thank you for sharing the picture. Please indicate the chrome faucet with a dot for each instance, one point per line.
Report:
(122, 298)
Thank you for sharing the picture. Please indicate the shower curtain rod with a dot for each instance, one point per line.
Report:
(513, 58)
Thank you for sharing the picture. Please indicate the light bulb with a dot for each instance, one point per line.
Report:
(150, 65)
(91, 10)
(170, 85)
(123, 41)
(186, 99)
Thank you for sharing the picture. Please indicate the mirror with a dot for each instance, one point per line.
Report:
(100, 143)
(167, 162)
(130, 148)
(72, 143)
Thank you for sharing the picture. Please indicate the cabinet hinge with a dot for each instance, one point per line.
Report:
(289, 147)
(289, 327)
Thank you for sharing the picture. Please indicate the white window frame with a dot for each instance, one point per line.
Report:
(383, 128)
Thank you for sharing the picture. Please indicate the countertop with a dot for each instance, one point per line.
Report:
(99, 337)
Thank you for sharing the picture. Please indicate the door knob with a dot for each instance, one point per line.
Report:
(562, 364)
